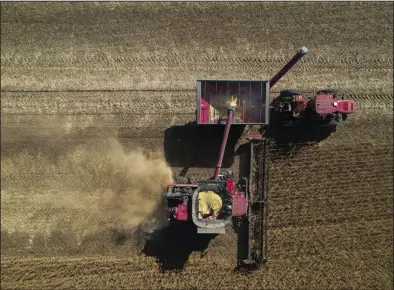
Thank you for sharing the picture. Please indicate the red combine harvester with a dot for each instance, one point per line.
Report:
(213, 203)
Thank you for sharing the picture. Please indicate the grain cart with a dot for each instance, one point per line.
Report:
(213, 203)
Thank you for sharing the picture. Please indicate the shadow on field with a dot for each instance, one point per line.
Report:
(172, 245)
(286, 140)
(308, 132)
(195, 145)
(240, 227)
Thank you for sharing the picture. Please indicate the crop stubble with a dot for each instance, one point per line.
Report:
(330, 210)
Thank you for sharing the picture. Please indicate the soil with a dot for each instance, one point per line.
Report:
(94, 102)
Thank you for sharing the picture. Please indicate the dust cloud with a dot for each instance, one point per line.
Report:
(89, 188)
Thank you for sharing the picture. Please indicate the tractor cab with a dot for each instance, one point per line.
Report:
(331, 104)
(324, 104)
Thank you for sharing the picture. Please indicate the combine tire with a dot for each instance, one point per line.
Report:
(289, 93)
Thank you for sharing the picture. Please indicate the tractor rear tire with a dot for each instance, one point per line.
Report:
(334, 92)
(289, 93)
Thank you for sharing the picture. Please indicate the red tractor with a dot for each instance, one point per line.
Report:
(326, 108)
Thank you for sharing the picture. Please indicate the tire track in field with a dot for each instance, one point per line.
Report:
(310, 188)
(59, 78)
(222, 62)
(295, 241)
(308, 214)
(119, 272)
(120, 102)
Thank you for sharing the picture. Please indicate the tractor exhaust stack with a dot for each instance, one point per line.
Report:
(303, 51)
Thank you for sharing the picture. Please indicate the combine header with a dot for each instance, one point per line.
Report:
(213, 203)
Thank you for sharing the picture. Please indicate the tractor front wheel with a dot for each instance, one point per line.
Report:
(339, 117)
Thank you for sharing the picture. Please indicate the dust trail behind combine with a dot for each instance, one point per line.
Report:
(89, 191)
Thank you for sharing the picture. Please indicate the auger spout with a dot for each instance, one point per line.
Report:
(303, 51)
(230, 115)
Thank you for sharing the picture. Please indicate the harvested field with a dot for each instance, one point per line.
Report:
(94, 99)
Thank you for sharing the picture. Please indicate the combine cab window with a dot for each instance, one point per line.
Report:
(214, 97)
